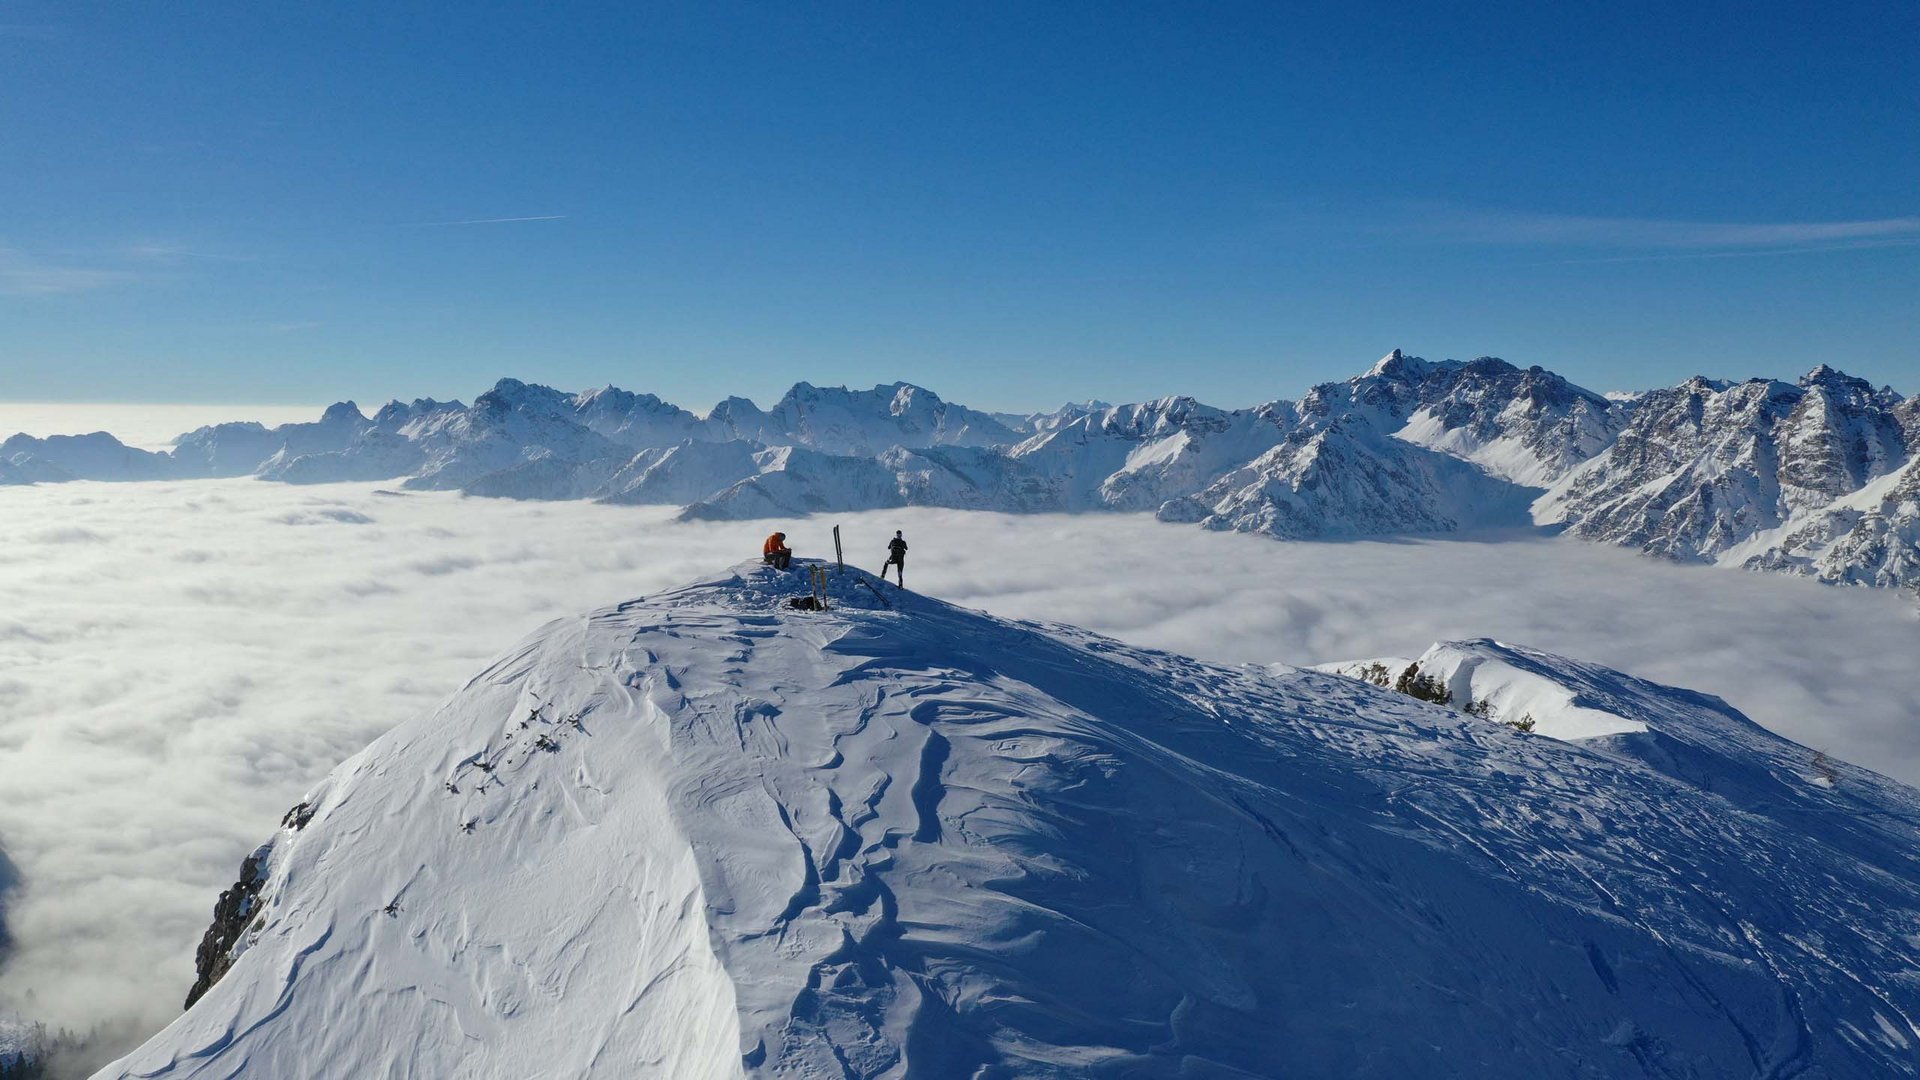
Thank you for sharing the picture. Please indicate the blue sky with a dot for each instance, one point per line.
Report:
(1012, 204)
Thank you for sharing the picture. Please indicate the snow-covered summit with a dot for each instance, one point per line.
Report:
(1525, 425)
(707, 834)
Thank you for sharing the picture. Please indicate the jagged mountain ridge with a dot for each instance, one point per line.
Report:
(705, 835)
(1815, 478)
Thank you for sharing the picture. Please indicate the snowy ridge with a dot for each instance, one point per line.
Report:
(1488, 680)
(705, 834)
(1762, 474)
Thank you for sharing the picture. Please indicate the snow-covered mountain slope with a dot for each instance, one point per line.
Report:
(791, 480)
(704, 834)
(1764, 474)
(836, 420)
(1867, 537)
(1528, 426)
(631, 419)
(1140, 457)
(1343, 479)
(681, 474)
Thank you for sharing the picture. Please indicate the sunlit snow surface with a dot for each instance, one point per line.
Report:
(178, 662)
(700, 833)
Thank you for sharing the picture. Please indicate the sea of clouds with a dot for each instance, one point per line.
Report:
(179, 662)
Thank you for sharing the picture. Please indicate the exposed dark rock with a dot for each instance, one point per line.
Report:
(1416, 684)
(298, 817)
(233, 915)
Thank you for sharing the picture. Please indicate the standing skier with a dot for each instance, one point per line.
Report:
(896, 556)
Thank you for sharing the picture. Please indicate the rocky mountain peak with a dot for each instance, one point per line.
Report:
(343, 412)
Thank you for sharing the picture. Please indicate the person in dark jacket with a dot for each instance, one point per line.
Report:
(896, 556)
(776, 553)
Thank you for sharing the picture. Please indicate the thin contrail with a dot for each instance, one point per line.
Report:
(483, 221)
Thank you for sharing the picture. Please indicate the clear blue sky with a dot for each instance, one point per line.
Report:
(1013, 204)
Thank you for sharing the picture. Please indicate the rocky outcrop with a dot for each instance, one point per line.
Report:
(233, 916)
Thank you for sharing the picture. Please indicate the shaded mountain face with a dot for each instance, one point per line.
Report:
(704, 834)
(1804, 478)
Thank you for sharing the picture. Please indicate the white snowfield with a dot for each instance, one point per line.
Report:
(704, 834)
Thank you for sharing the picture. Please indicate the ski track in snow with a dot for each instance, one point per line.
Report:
(179, 661)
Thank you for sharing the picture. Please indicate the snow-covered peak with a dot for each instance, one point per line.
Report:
(415, 417)
(843, 421)
(1834, 379)
(637, 420)
(711, 834)
(1527, 426)
(1041, 423)
(512, 394)
(1398, 365)
(343, 413)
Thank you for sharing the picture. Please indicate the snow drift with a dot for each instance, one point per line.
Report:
(705, 834)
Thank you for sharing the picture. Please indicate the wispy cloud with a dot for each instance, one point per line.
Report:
(279, 326)
(483, 221)
(25, 274)
(1632, 238)
(53, 272)
(1751, 253)
(169, 253)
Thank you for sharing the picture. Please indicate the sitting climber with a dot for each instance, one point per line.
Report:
(896, 556)
(776, 553)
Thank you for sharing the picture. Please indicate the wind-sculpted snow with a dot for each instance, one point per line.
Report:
(1762, 474)
(705, 834)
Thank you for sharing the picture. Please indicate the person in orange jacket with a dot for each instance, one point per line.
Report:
(776, 553)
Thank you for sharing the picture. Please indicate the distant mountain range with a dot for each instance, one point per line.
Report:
(1819, 477)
